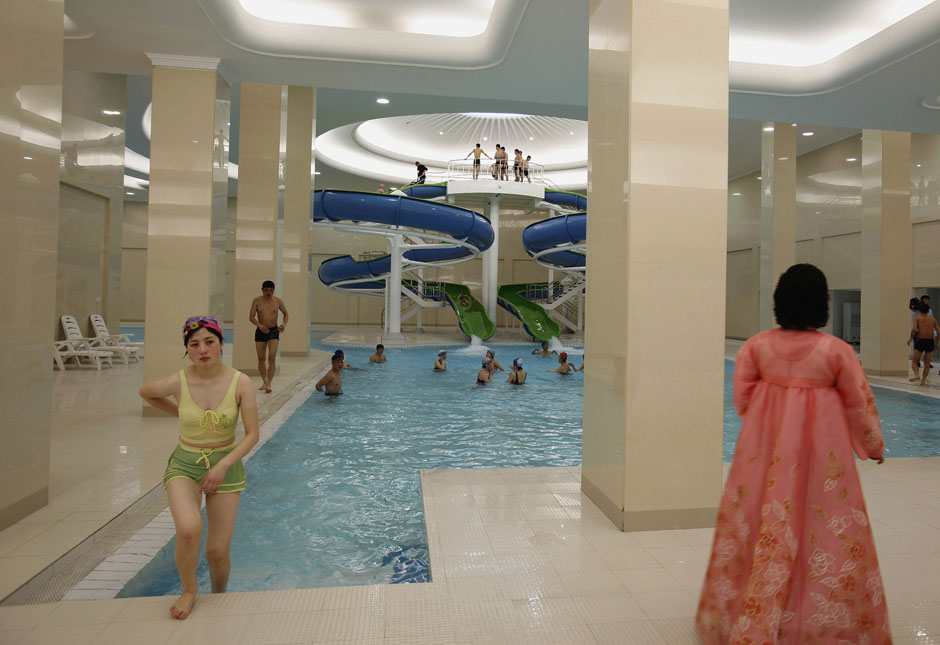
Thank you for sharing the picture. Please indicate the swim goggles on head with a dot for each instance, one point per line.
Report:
(195, 322)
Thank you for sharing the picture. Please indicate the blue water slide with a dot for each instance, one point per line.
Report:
(557, 231)
(426, 191)
(564, 198)
(342, 206)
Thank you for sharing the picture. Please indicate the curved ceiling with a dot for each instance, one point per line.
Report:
(386, 149)
(459, 34)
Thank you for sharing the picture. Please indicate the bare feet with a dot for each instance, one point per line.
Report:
(264, 385)
(183, 605)
(911, 380)
(268, 388)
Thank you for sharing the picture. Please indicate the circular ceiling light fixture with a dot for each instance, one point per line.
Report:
(382, 100)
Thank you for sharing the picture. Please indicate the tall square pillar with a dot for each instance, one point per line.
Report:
(179, 222)
(31, 114)
(777, 212)
(657, 198)
(887, 250)
(259, 137)
(298, 175)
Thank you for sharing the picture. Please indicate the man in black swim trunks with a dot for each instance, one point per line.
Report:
(422, 172)
(263, 315)
(476, 152)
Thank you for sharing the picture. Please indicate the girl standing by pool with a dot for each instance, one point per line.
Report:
(793, 559)
(208, 399)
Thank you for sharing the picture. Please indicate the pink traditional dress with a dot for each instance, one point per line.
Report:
(793, 559)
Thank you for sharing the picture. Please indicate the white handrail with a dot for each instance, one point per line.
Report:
(459, 169)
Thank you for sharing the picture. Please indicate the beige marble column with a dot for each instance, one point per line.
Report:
(657, 196)
(179, 223)
(31, 114)
(298, 175)
(777, 212)
(259, 131)
(886, 251)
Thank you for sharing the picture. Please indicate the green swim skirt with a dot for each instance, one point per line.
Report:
(190, 462)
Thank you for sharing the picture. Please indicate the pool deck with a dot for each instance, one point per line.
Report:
(517, 555)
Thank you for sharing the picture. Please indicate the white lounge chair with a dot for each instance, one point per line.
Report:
(64, 350)
(78, 343)
(118, 343)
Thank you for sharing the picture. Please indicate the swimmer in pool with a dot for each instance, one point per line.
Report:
(490, 354)
(517, 375)
(544, 351)
(440, 365)
(485, 375)
(379, 355)
(332, 382)
(563, 366)
(342, 354)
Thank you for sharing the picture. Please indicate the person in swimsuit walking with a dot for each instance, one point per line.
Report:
(923, 334)
(263, 315)
(209, 396)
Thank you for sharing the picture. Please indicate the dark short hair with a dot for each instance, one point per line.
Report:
(801, 299)
(380, 346)
(267, 284)
(925, 296)
(924, 308)
(478, 145)
(914, 303)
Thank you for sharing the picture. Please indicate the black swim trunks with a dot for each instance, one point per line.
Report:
(476, 162)
(273, 334)
(924, 345)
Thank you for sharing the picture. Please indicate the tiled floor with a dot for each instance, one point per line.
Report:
(517, 556)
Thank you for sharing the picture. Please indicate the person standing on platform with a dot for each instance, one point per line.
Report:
(422, 172)
(263, 315)
(476, 152)
(793, 558)
(504, 164)
(517, 164)
(525, 168)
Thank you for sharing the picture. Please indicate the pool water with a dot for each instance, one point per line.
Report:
(334, 496)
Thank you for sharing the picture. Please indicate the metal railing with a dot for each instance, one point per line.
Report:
(488, 169)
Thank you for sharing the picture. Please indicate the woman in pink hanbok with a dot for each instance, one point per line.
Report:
(793, 559)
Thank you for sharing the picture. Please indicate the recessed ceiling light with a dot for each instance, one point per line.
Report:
(111, 112)
(571, 133)
(195, 141)
(316, 172)
(736, 194)
(441, 132)
(769, 128)
(931, 102)
(793, 124)
(128, 193)
(819, 212)
(531, 138)
(918, 165)
(485, 139)
(851, 159)
(382, 100)
(30, 158)
(759, 177)
(808, 134)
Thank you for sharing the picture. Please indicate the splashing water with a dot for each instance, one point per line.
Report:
(476, 346)
(556, 345)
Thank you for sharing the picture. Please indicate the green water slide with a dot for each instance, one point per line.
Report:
(471, 316)
(536, 320)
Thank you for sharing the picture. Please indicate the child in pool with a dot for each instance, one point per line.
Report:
(485, 375)
(440, 365)
(332, 382)
(563, 366)
(490, 354)
(544, 351)
(517, 375)
(379, 355)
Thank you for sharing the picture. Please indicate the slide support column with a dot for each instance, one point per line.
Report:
(393, 291)
(491, 261)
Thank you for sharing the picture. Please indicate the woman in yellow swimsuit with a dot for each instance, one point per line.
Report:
(208, 398)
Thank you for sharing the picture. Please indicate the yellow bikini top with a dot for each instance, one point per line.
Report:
(199, 427)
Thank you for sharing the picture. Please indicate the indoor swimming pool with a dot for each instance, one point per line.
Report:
(334, 497)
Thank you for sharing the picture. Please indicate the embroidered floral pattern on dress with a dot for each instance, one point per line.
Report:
(792, 509)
